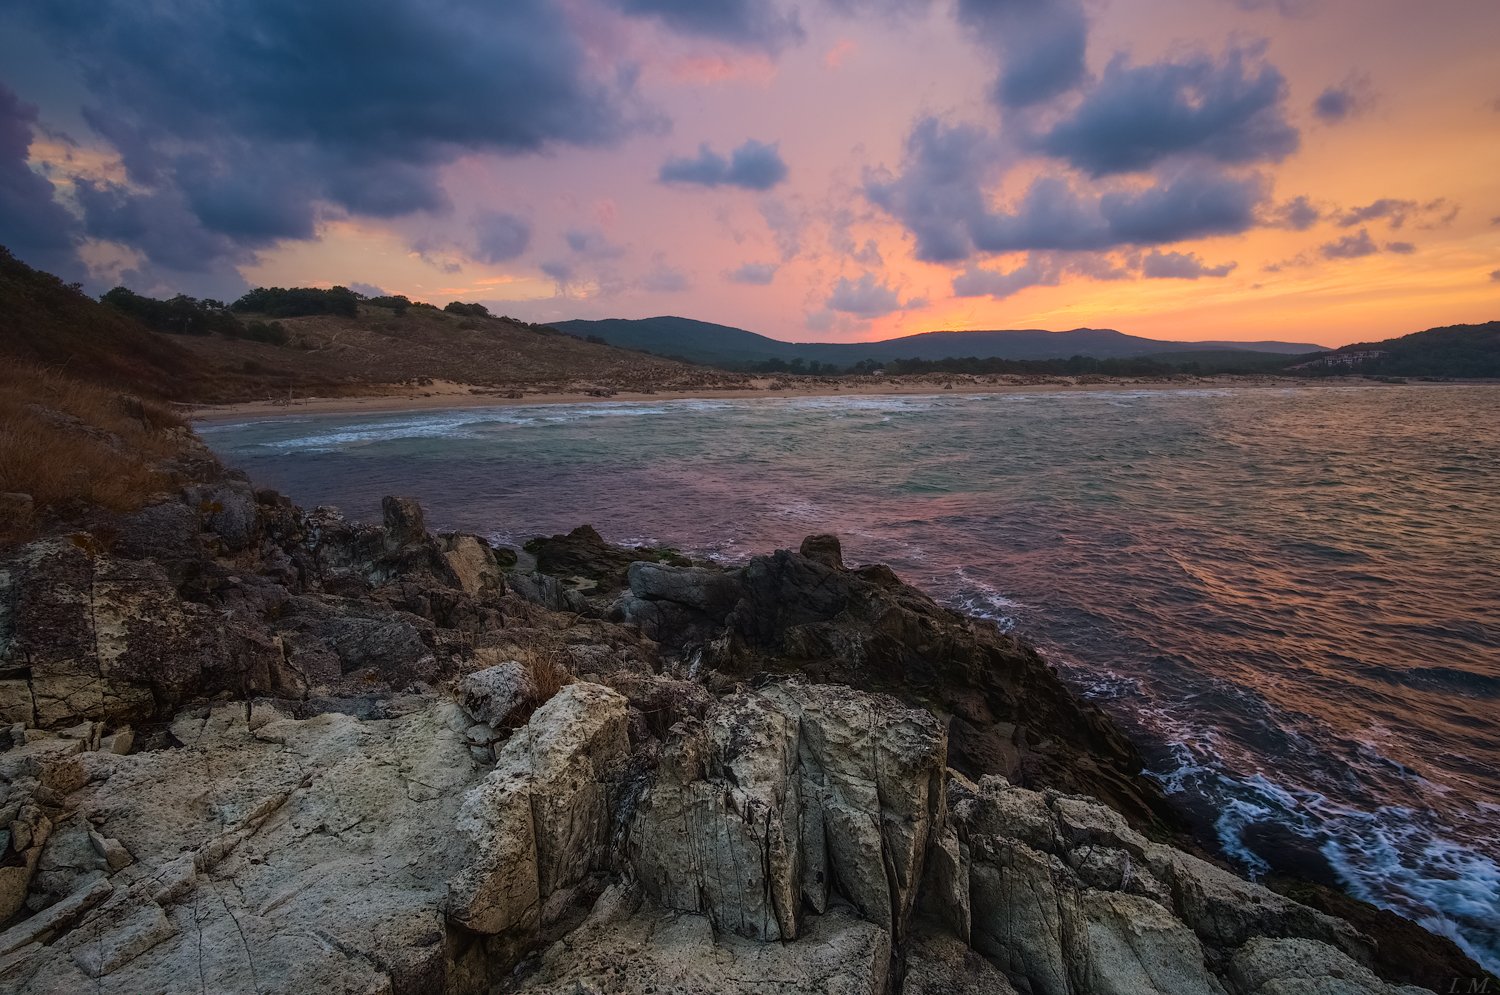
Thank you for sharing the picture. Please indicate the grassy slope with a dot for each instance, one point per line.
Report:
(334, 353)
(46, 323)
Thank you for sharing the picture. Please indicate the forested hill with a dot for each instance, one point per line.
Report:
(1451, 351)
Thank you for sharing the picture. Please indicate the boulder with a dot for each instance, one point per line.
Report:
(1065, 897)
(824, 549)
(474, 563)
(541, 820)
(794, 795)
(497, 695)
(228, 510)
(404, 521)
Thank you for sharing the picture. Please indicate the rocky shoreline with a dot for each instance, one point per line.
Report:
(252, 748)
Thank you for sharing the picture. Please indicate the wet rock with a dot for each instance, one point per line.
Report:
(824, 549)
(583, 553)
(404, 521)
(1011, 714)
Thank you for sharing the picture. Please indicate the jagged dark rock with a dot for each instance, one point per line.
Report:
(251, 748)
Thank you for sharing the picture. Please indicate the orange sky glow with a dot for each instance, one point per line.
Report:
(1363, 103)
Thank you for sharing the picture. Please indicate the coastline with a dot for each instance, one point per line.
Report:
(447, 395)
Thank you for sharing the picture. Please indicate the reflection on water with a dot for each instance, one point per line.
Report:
(1290, 597)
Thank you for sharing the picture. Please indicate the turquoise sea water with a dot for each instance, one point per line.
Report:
(1290, 598)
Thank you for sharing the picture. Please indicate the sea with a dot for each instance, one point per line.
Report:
(1288, 597)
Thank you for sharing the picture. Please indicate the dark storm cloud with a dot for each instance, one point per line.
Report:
(1040, 45)
(1231, 111)
(940, 198)
(248, 114)
(500, 236)
(1350, 247)
(1181, 266)
(1347, 100)
(33, 225)
(752, 166)
(747, 23)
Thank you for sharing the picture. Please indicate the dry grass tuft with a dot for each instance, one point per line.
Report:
(549, 672)
(75, 447)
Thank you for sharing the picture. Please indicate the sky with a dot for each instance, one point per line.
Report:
(1321, 171)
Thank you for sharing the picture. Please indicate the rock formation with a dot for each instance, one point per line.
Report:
(248, 748)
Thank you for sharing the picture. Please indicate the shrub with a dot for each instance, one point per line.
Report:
(467, 310)
(395, 302)
(296, 302)
(181, 315)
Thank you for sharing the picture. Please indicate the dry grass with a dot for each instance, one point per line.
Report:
(75, 447)
(549, 672)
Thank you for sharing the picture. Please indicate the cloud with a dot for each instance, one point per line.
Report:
(1350, 247)
(745, 23)
(33, 224)
(940, 198)
(275, 109)
(368, 289)
(664, 279)
(1433, 214)
(786, 224)
(500, 236)
(593, 243)
(1231, 111)
(1039, 270)
(1040, 45)
(754, 274)
(1181, 266)
(1286, 8)
(1400, 248)
(1495, 275)
(867, 297)
(940, 191)
(1298, 214)
(753, 166)
(1346, 100)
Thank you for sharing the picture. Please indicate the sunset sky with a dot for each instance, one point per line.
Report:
(1318, 170)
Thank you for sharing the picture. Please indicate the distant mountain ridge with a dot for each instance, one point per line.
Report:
(705, 342)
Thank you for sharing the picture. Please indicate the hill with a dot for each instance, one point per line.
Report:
(301, 341)
(1450, 351)
(47, 323)
(380, 346)
(704, 342)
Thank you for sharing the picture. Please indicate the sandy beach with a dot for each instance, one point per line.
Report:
(445, 395)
